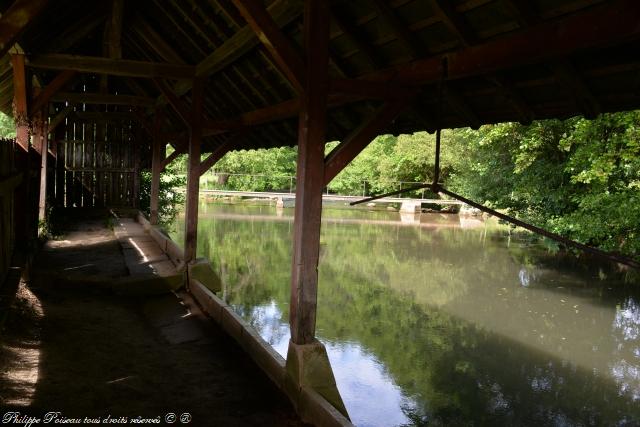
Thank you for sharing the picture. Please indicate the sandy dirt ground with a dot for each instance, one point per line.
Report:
(80, 350)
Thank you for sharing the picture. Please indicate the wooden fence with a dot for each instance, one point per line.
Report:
(9, 179)
(101, 164)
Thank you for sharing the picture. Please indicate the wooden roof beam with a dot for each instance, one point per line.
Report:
(349, 31)
(283, 52)
(399, 28)
(524, 11)
(114, 39)
(348, 149)
(454, 21)
(507, 91)
(51, 89)
(102, 115)
(59, 118)
(101, 98)
(155, 41)
(71, 35)
(616, 21)
(16, 19)
(176, 103)
(370, 90)
(457, 102)
(115, 67)
(179, 149)
(567, 75)
(220, 151)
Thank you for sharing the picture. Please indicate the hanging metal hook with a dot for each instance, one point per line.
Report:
(436, 167)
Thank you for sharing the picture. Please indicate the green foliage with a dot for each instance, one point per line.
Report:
(271, 170)
(170, 201)
(578, 177)
(7, 127)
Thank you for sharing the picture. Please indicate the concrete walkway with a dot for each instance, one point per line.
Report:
(74, 345)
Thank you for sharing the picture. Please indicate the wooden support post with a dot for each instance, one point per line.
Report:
(310, 176)
(44, 155)
(156, 168)
(193, 172)
(60, 159)
(136, 166)
(20, 101)
(308, 364)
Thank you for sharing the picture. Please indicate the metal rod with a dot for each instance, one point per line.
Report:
(392, 193)
(436, 166)
(609, 256)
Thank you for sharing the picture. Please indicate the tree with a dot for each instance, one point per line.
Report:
(7, 127)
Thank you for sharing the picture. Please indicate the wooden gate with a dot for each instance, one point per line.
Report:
(101, 163)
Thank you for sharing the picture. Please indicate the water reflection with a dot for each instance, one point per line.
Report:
(430, 323)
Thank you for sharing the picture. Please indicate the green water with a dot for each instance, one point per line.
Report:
(436, 320)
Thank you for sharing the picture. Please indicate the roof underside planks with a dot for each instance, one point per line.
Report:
(507, 60)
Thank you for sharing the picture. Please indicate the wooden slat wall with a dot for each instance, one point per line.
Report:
(100, 166)
(6, 206)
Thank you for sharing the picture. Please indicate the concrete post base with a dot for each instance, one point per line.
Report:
(308, 366)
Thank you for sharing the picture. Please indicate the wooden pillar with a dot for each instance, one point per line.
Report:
(60, 166)
(44, 155)
(136, 166)
(310, 176)
(22, 206)
(20, 101)
(193, 172)
(155, 179)
(157, 150)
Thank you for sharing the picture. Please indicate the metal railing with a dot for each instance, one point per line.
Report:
(219, 180)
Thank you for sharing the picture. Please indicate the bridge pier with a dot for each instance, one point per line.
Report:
(411, 206)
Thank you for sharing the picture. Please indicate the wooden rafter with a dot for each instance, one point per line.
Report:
(52, 88)
(616, 22)
(460, 106)
(348, 149)
(369, 89)
(114, 39)
(180, 149)
(524, 11)
(399, 28)
(350, 31)
(58, 119)
(454, 21)
(567, 75)
(115, 67)
(508, 92)
(16, 19)
(282, 13)
(220, 151)
(283, 52)
(101, 98)
(155, 41)
(105, 116)
(175, 102)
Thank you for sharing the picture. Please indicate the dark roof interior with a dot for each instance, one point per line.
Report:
(507, 60)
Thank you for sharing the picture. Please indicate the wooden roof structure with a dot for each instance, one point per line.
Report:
(505, 60)
(220, 75)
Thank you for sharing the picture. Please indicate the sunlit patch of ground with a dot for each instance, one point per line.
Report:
(20, 350)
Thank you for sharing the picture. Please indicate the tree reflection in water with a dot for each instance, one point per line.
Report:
(443, 326)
